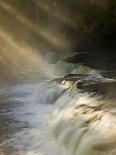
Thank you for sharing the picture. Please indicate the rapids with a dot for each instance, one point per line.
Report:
(53, 117)
(25, 116)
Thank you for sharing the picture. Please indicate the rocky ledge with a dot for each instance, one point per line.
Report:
(85, 117)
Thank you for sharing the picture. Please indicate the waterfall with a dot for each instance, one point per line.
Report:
(84, 124)
(84, 121)
(62, 115)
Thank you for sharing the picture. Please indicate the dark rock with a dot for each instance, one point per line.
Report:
(101, 59)
(100, 88)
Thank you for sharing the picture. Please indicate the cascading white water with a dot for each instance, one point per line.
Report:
(85, 125)
(26, 111)
(41, 112)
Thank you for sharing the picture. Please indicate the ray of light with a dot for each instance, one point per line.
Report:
(41, 31)
(16, 55)
(56, 13)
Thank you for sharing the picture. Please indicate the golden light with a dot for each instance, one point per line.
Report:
(44, 32)
(56, 13)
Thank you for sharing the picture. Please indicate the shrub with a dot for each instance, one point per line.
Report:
(97, 18)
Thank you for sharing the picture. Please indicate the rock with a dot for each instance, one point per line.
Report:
(100, 59)
(85, 124)
(89, 83)
(100, 88)
(63, 68)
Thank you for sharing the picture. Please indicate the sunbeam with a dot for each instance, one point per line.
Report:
(59, 15)
(45, 32)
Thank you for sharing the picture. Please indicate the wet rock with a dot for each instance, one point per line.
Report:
(101, 59)
(100, 88)
(91, 83)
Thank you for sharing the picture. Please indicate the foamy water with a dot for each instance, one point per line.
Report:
(47, 118)
(85, 124)
(27, 131)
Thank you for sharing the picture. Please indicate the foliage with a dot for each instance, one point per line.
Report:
(97, 18)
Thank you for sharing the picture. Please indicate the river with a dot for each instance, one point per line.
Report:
(24, 121)
(52, 117)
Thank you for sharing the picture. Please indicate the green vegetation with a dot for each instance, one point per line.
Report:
(96, 18)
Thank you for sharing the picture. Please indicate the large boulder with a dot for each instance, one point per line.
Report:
(101, 59)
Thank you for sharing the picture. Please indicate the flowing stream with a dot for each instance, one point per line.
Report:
(25, 117)
(42, 117)
(51, 118)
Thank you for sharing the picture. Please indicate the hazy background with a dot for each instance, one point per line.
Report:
(33, 29)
